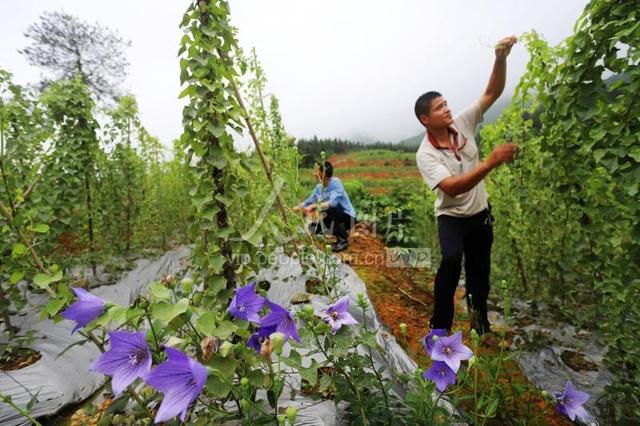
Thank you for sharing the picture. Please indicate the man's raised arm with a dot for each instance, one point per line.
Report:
(456, 185)
(498, 74)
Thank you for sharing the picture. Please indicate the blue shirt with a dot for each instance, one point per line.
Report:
(334, 193)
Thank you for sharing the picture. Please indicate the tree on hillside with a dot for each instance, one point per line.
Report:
(67, 46)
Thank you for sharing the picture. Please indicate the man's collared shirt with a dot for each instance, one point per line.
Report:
(435, 165)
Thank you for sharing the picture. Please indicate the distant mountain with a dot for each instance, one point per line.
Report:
(362, 138)
(414, 141)
(489, 117)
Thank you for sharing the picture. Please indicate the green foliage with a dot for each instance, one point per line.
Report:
(403, 217)
(568, 208)
(221, 175)
(23, 215)
(310, 149)
(72, 171)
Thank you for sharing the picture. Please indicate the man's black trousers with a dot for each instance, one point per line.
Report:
(469, 238)
(336, 222)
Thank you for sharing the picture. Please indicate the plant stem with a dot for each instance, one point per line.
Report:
(433, 409)
(373, 367)
(24, 413)
(275, 396)
(497, 376)
(354, 388)
(140, 401)
(89, 335)
(153, 331)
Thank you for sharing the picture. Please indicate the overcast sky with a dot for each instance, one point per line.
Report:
(341, 68)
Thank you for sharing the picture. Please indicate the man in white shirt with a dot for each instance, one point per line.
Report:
(449, 163)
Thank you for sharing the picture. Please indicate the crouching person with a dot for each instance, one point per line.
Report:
(336, 215)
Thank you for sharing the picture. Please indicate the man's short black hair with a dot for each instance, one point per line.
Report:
(423, 104)
(326, 169)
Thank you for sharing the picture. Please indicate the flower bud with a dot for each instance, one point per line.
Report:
(403, 328)
(281, 420)
(244, 382)
(246, 405)
(545, 394)
(186, 284)
(266, 349)
(147, 392)
(196, 299)
(225, 349)
(472, 361)
(167, 280)
(277, 341)
(475, 338)
(291, 414)
(362, 301)
(308, 309)
(323, 155)
(435, 338)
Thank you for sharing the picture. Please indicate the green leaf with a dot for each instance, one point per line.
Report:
(159, 291)
(254, 239)
(342, 343)
(227, 201)
(325, 382)
(491, 408)
(206, 324)
(165, 312)
(225, 366)
(217, 383)
(217, 387)
(256, 378)
(369, 339)
(293, 360)
(18, 249)
(53, 306)
(188, 91)
(216, 263)
(225, 330)
(310, 374)
(116, 314)
(134, 313)
(16, 276)
(43, 281)
(217, 284)
(599, 153)
(41, 228)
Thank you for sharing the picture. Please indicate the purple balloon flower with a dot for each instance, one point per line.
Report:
(570, 403)
(246, 304)
(451, 350)
(128, 358)
(256, 339)
(283, 320)
(181, 379)
(84, 310)
(338, 315)
(441, 375)
(428, 340)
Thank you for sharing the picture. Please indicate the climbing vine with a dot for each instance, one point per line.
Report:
(569, 206)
